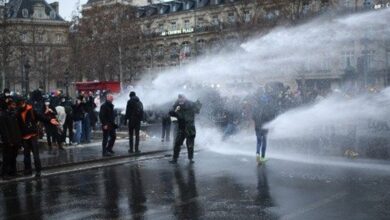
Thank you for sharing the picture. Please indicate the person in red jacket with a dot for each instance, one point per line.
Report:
(27, 119)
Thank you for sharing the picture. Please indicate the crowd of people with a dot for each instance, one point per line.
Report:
(25, 120)
(69, 122)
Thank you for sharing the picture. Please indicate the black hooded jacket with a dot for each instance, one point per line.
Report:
(134, 110)
(107, 115)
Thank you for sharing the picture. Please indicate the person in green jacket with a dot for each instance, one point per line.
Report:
(185, 111)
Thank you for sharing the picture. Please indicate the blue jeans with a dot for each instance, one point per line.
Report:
(86, 133)
(261, 135)
(78, 127)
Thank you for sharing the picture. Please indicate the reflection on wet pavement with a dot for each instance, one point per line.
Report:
(216, 187)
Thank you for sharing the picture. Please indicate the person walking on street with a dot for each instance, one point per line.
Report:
(27, 120)
(265, 110)
(185, 111)
(107, 119)
(78, 115)
(134, 114)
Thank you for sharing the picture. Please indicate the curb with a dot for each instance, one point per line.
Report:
(102, 159)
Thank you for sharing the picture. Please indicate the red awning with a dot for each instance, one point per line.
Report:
(112, 86)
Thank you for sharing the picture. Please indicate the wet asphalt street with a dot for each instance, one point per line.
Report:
(215, 187)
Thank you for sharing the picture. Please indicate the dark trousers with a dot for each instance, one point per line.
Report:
(53, 136)
(179, 140)
(86, 129)
(166, 130)
(261, 135)
(109, 137)
(134, 131)
(68, 129)
(31, 145)
(9, 160)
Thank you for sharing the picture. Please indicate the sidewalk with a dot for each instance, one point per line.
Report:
(92, 152)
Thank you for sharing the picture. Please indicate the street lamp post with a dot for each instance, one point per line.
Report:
(67, 83)
(27, 73)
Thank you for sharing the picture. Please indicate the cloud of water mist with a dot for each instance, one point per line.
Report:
(336, 112)
(280, 54)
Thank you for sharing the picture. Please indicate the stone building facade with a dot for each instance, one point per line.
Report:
(177, 32)
(34, 46)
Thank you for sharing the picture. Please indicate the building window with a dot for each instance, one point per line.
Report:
(185, 49)
(160, 52)
(201, 46)
(25, 13)
(348, 56)
(23, 37)
(40, 55)
(247, 16)
(40, 37)
(161, 27)
(173, 51)
(188, 5)
(231, 17)
(173, 25)
(369, 56)
(215, 20)
(58, 38)
(347, 3)
(148, 52)
(186, 24)
(162, 10)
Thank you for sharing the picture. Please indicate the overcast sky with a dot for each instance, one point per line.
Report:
(67, 6)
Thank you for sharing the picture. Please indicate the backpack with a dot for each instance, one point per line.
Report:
(139, 110)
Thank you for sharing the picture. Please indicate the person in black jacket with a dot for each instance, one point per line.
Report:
(27, 120)
(10, 137)
(134, 114)
(107, 119)
(185, 110)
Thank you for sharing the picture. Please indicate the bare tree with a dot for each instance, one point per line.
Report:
(103, 39)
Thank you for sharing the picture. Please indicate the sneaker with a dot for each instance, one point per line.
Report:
(131, 151)
(192, 161)
(111, 152)
(137, 151)
(258, 160)
(173, 161)
(263, 159)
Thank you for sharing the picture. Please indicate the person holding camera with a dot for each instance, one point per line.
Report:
(107, 119)
(185, 111)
